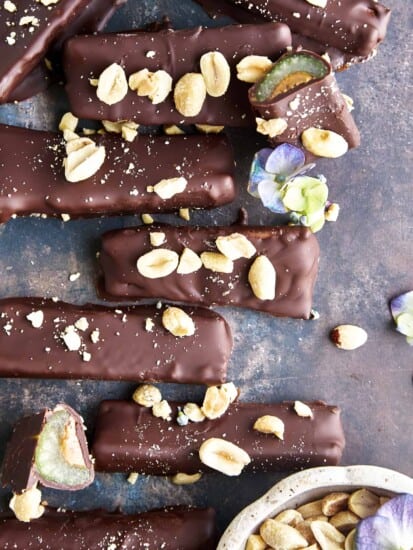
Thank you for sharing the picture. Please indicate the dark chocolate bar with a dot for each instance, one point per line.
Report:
(177, 53)
(316, 103)
(33, 179)
(128, 438)
(49, 447)
(92, 18)
(129, 343)
(27, 29)
(292, 251)
(349, 31)
(172, 528)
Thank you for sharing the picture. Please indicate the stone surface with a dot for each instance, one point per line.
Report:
(366, 259)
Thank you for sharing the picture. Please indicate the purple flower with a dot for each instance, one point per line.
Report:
(271, 169)
(391, 528)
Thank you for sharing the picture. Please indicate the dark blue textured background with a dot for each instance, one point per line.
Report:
(367, 257)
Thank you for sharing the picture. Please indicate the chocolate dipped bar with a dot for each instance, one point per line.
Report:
(190, 266)
(33, 178)
(91, 19)
(27, 29)
(50, 448)
(300, 90)
(171, 528)
(47, 339)
(129, 438)
(348, 30)
(177, 53)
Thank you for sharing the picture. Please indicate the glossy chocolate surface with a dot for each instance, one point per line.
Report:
(33, 179)
(348, 30)
(19, 471)
(319, 103)
(178, 53)
(91, 19)
(26, 41)
(114, 346)
(176, 528)
(128, 438)
(293, 251)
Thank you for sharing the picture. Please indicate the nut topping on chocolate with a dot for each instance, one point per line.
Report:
(262, 278)
(27, 505)
(112, 84)
(177, 322)
(272, 127)
(157, 263)
(253, 68)
(223, 456)
(217, 262)
(235, 246)
(324, 143)
(216, 73)
(189, 94)
(168, 188)
(157, 86)
(268, 424)
(189, 262)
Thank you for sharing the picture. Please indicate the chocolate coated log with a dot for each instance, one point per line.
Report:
(177, 53)
(128, 438)
(49, 447)
(33, 179)
(348, 30)
(169, 529)
(292, 251)
(26, 33)
(318, 103)
(114, 344)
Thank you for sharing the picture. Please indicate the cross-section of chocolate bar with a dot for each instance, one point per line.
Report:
(27, 29)
(172, 528)
(271, 269)
(91, 19)
(348, 30)
(50, 448)
(152, 97)
(300, 92)
(129, 438)
(47, 339)
(34, 182)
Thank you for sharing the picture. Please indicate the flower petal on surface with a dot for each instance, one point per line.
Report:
(285, 159)
(390, 529)
(405, 324)
(257, 170)
(270, 196)
(402, 304)
(293, 198)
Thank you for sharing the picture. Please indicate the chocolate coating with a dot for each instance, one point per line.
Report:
(177, 52)
(125, 350)
(91, 19)
(173, 528)
(293, 251)
(24, 49)
(128, 438)
(33, 178)
(318, 104)
(19, 471)
(348, 30)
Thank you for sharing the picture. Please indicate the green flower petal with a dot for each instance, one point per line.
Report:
(318, 225)
(405, 324)
(293, 199)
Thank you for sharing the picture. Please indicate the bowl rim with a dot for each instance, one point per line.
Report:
(313, 480)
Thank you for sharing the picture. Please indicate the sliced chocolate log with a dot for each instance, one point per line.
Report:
(47, 339)
(173, 528)
(177, 53)
(33, 178)
(300, 90)
(273, 269)
(50, 448)
(27, 29)
(129, 438)
(91, 19)
(348, 30)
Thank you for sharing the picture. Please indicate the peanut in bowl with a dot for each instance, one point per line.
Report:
(313, 486)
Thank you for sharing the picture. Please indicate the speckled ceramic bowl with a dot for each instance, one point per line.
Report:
(306, 486)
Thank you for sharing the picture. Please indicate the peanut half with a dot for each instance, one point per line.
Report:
(223, 456)
(189, 94)
(216, 73)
